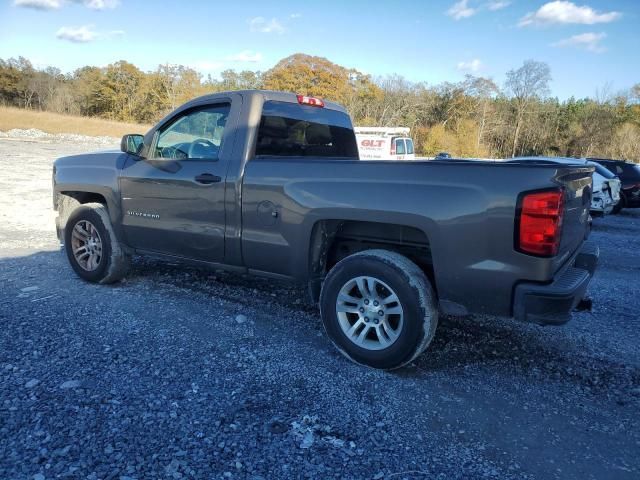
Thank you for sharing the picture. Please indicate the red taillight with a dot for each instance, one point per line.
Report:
(312, 101)
(540, 223)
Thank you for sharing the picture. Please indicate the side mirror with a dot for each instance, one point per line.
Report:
(132, 144)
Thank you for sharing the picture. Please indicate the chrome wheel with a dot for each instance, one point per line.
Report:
(369, 313)
(86, 245)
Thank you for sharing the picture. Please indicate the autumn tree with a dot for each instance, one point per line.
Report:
(317, 76)
(232, 80)
(120, 89)
(88, 87)
(15, 76)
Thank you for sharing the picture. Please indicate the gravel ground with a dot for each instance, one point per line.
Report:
(183, 373)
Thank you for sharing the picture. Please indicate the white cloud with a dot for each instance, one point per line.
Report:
(262, 25)
(564, 12)
(39, 4)
(208, 66)
(471, 66)
(82, 34)
(498, 5)
(461, 10)
(295, 15)
(99, 4)
(588, 41)
(246, 56)
(56, 4)
(86, 34)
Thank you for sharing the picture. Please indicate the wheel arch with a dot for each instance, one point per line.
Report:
(67, 200)
(84, 197)
(113, 261)
(331, 240)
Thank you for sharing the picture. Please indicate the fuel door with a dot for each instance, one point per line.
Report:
(267, 213)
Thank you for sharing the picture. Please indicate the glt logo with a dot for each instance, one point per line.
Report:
(372, 143)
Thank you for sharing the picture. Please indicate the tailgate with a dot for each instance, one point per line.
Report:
(577, 184)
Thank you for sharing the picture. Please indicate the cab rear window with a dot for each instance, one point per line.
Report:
(293, 130)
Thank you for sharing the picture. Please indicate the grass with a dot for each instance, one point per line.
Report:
(11, 117)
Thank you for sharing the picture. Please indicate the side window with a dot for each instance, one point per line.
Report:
(619, 169)
(632, 171)
(196, 135)
(400, 150)
(409, 146)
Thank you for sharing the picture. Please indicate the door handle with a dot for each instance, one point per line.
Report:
(207, 178)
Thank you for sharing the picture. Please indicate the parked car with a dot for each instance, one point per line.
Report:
(602, 197)
(602, 175)
(629, 175)
(384, 143)
(442, 156)
(605, 191)
(270, 183)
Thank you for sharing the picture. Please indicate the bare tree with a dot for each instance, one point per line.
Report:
(483, 91)
(635, 93)
(526, 84)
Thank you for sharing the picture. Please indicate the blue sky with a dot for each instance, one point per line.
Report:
(588, 44)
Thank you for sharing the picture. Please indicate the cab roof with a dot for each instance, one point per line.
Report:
(267, 95)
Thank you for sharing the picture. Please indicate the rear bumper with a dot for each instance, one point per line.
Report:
(552, 304)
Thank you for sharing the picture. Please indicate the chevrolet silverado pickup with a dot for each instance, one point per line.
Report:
(270, 183)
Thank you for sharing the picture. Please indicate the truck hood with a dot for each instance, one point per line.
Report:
(107, 158)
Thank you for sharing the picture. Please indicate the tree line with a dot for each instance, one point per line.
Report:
(475, 117)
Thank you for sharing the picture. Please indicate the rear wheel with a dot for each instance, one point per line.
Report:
(92, 247)
(379, 309)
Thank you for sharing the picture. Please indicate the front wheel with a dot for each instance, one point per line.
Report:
(379, 309)
(92, 246)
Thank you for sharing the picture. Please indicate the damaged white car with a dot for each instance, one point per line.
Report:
(606, 190)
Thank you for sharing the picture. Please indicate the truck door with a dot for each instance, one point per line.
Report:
(410, 151)
(173, 201)
(400, 149)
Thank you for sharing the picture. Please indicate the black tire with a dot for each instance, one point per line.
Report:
(416, 298)
(619, 206)
(114, 262)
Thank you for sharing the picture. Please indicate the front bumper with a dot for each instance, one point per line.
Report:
(601, 203)
(552, 304)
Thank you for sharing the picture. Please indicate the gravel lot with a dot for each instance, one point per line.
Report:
(183, 373)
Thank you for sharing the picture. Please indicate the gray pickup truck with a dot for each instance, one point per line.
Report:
(270, 183)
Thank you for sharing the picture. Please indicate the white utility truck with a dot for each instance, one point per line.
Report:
(384, 143)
